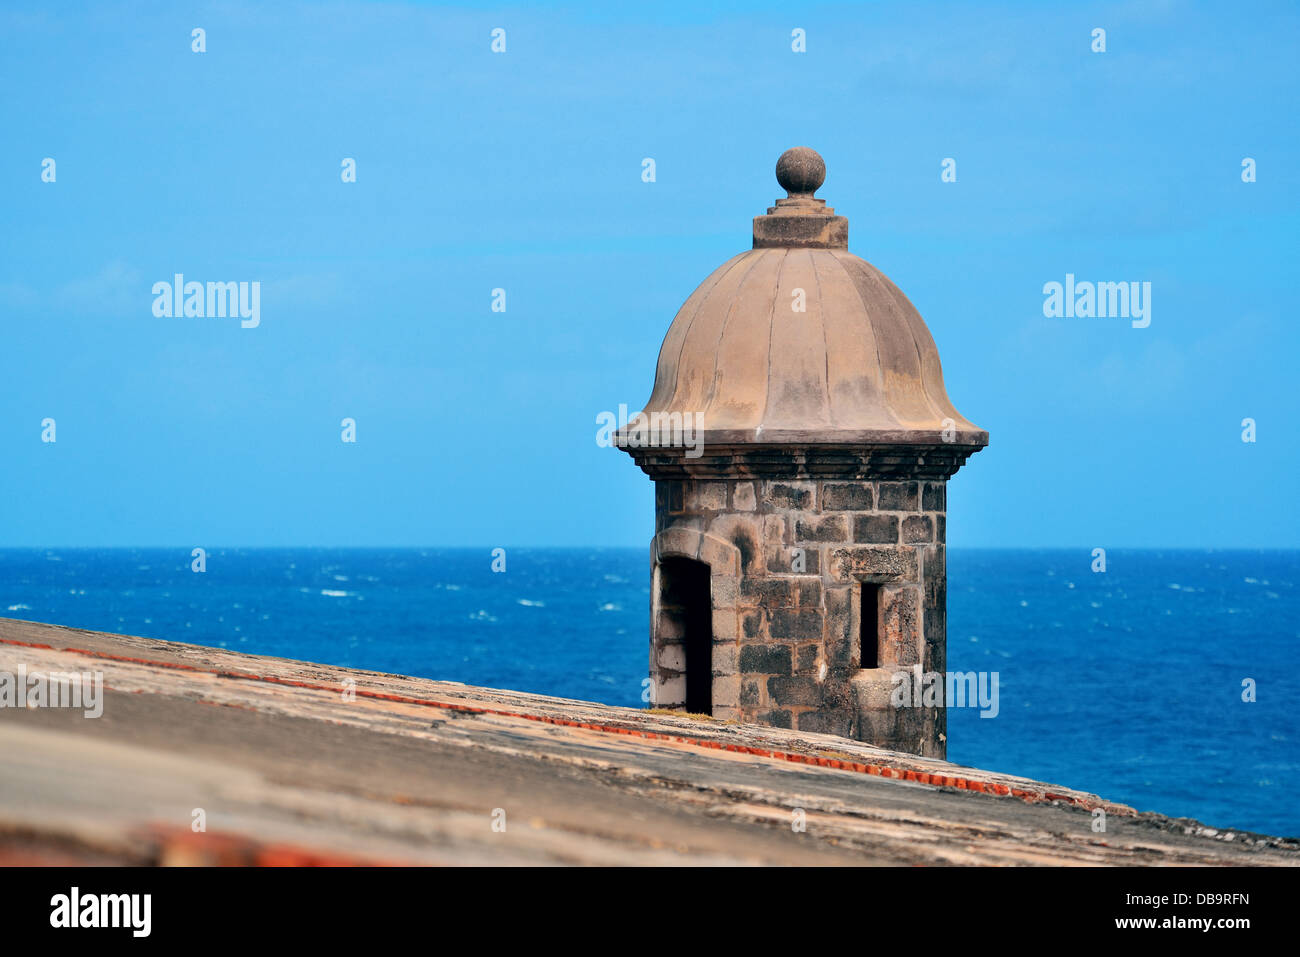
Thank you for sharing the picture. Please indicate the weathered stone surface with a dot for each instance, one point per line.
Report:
(676, 497)
(673, 657)
(917, 528)
(744, 533)
(724, 558)
(790, 232)
(793, 560)
(875, 529)
(862, 561)
(935, 497)
(794, 691)
(808, 591)
(670, 627)
(768, 592)
(678, 540)
(900, 617)
(724, 590)
(726, 658)
(726, 623)
(827, 528)
(765, 660)
(779, 529)
(809, 617)
(743, 498)
(726, 687)
(601, 785)
(826, 722)
(796, 495)
(669, 690)
(847, 497)
(706, 496)
(839, 637)
(935, 602)
(913, 725)
(874, 688)
(730, 456)
(795, 624)
(898, 497)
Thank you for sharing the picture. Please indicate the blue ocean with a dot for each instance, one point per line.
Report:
(1127, 682)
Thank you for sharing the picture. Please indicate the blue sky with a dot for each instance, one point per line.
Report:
(522, 171)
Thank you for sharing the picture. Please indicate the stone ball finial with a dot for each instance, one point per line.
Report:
(800, 171)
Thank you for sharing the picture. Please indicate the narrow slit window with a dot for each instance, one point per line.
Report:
(869, 626)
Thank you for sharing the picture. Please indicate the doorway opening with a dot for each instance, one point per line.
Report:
(685, 596)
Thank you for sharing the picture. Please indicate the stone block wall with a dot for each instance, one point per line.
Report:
(786, 600)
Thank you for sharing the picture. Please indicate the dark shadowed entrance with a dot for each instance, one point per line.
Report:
(685, 597)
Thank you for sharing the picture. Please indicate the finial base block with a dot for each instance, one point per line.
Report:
(801, 232)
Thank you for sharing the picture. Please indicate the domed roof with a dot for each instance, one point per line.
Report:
(799, 341)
